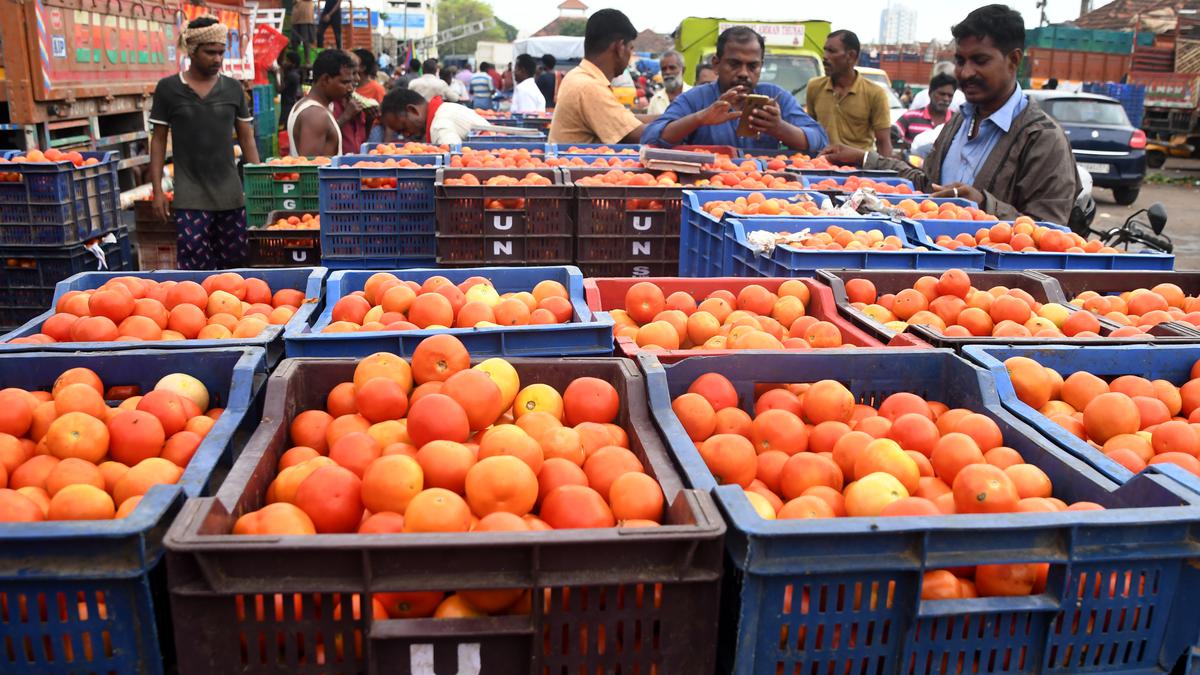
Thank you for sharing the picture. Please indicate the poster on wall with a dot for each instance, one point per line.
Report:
(239, 52)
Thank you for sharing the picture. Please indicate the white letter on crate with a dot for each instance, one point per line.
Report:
(502, 222)
(289, 205)
(420, 659)
(469, 662)
(502, 248)
(642, 223)
(288, 187)
(640, 248)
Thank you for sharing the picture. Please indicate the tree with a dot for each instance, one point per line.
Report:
(510, 31)
(572, 27)
(452, 13)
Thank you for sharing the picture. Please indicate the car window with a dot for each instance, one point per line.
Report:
(1085, 111)
(791, 73)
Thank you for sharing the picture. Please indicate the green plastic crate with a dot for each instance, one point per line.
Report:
(265, 193)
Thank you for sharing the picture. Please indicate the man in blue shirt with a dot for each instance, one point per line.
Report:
(1001, 150)
(709, 114)
(482, 88)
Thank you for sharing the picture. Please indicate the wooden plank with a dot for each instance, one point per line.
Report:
(1187, 56)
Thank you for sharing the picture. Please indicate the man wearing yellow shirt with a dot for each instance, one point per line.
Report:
(852, 109)
(586, 109)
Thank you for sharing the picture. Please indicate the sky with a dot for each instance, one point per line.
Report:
(934, 17)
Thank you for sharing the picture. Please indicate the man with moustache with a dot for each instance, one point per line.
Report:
(1001, 150)
(709, 114)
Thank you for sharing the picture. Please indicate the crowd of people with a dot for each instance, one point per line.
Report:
(994, 145)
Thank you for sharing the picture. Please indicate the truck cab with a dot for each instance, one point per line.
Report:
(794, 49)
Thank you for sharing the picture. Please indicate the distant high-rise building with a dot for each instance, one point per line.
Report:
(897, 24)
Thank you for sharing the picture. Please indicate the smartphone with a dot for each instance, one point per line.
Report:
(751, 103)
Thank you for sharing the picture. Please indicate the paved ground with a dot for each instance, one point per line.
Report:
(1181, 200)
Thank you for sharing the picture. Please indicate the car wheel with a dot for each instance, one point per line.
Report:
(1155, 159)
(1126, 195)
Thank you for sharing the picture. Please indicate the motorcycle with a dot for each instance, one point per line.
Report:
(1148, 232)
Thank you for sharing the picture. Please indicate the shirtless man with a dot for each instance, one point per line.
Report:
(312, 129)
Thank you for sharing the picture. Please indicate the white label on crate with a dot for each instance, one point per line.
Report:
(502, 222)
(469, 662)
(58, 45)
(502, 248)
(640, 248)
(642, 223)
(421, 659)
(289, 205)
(288, 187)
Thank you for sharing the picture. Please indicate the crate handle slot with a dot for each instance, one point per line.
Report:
(1028, 603)
(461, 646)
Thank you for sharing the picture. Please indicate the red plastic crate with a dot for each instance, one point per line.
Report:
(608, 294)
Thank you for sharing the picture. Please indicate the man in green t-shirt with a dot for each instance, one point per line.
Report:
(200, 107)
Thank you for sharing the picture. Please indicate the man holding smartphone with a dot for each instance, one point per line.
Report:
(711, 114)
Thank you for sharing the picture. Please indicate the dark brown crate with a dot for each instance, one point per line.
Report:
(474, 209)
(472, 250)
(609, 600)
(284, 248)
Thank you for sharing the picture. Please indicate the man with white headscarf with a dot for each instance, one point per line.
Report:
(199, 107)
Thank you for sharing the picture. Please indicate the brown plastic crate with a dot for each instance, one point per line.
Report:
(1037, 284)
(145, 220)
(485, 251)
(613, 600)
(629, 268)
(463, 209)
(284, 248)
(157, 250)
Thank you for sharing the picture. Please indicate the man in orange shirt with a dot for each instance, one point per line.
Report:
(586, 109)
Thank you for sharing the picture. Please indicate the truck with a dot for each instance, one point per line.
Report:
(78, 75)
(1172, 118)
(794, 48)
(499, 54)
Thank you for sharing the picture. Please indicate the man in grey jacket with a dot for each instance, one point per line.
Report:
(1001, 150)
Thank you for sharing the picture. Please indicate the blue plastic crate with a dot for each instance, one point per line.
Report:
(341, 188)
(743, 260)
(378, 235)
(66, 564)
(69, 203)
(825, 564)
(587, 334)
(486, 143)
(333, 264)
(1158, 362)
(366, 148)
(808, 181)
(927, 231)
(561, 149)
(1007, 260)
(1042, 288)
(591, 160)
(308, 279)
(702, 237)
(43, 267)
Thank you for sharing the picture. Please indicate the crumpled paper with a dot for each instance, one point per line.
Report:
(765, 242)
(865, 201)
